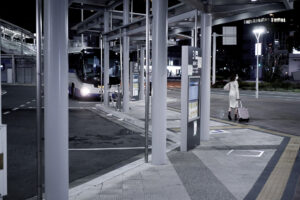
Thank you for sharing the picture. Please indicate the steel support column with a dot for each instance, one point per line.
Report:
(196, 30)
(141, 82)
(56, 100)
(147, 97)
(0, 76)
(159, 80)
(13, 66)
(126, 57)
(206, 24)
(106, 58)
(38, 98)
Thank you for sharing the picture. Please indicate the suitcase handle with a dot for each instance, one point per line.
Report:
(240, 103)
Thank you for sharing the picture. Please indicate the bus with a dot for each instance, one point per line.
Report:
(85, 73)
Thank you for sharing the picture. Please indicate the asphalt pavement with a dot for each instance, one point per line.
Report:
(272, 110)
(96, 144)
(99, 144)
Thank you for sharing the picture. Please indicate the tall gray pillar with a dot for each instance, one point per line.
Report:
(13, 66)
(159, 80)
(106, 58)
(56, 100)
(141, 81)
(126, 57)
(206, 21)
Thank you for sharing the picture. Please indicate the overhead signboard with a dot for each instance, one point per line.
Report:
(229, 35)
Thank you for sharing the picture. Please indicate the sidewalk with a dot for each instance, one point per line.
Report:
(238, 162)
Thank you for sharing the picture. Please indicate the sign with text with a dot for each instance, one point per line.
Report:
(229, 35)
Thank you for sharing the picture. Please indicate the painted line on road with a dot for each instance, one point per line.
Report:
(28, 102)
(22, 105)
(14, 109)
(229, 152)
(33, 100)
(5, 113)
(107, 149)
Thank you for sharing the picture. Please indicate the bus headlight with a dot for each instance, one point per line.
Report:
(84, 91)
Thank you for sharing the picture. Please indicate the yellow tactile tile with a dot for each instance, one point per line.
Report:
(276, 183)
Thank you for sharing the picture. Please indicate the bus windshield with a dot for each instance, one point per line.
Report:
(91, 67)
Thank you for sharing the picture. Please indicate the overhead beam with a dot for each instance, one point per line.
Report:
(87, 2)
(85, 7)
(238, 8)
(142, 28)
(243, 16)
(288, 4)
(198, 4)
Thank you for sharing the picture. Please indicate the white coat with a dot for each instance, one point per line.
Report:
(233, 94)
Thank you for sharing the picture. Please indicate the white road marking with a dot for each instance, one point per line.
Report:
(33, 100)
(22, 105)
(14, 109)
(94, 108)
(217, 131)
(109, 114)
(257, 154)
(107, 149)
(28, 102)
(6, 113)
(229, 152)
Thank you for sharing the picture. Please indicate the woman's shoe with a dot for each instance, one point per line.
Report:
(229, 116)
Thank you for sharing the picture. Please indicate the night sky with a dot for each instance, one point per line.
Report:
(19, 12)
(22, 13)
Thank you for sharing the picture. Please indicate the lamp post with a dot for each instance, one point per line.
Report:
(257, 32)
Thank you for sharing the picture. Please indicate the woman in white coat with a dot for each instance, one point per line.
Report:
(234, 96)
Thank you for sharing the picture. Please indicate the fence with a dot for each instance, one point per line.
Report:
(18, 69)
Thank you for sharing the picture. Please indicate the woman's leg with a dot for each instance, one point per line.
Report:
(229, 113)
(235, 113)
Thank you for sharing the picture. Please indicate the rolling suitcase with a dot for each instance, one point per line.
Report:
(243, 114)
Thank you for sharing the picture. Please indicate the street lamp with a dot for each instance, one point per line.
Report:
(257, 32)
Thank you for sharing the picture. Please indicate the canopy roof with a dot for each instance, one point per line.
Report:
(181, 16)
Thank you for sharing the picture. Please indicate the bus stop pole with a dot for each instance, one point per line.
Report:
(141, 86)
(0, 75)
(101, 66)
(214, 59)
(82, 17)
(106, 58)
(147, 84)
(121, 64)
(206, 24)
(196, 30)
(38, 97)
